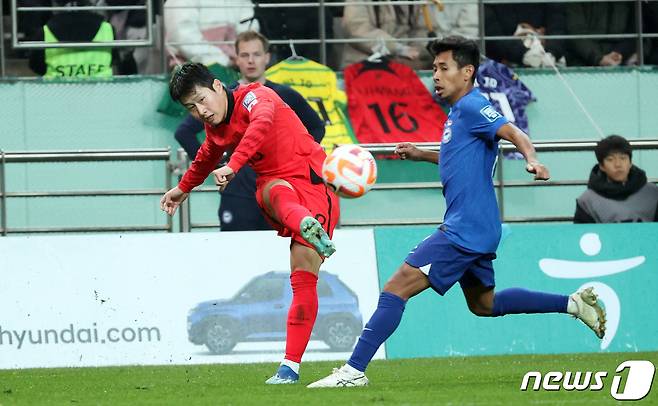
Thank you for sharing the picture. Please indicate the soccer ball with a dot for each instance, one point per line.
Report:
(350, 171)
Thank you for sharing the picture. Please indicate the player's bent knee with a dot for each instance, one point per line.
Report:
(273, 183)
(480, 311)
(406, 282)
(267, 196)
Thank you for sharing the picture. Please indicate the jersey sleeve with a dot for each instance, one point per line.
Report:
(483, 120)
(260, 108)
(205, 161)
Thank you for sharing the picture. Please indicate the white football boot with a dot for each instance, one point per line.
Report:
(345, 376)
(584, 306)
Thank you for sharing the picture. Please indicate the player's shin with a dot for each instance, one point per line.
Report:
(380, 326)
(287, 207)
(517, 300)
(302, 314)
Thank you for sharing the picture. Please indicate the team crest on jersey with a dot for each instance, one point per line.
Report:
(249, 101)
(447, 132)
(490, 113)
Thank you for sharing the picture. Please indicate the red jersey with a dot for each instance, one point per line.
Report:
(262, 131)
(387, 102)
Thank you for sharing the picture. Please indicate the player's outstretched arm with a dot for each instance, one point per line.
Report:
(172, 199)
(516, 136)
(407, 150)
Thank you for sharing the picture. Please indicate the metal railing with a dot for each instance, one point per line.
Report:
(7, 158)
(148, 7)
(322, 40)
(175, 169)
(499, 184)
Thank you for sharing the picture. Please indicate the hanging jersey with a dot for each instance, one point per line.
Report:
(318, 84)
(509, 96)
(388, 103)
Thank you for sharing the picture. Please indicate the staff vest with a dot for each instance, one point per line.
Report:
(79, 62)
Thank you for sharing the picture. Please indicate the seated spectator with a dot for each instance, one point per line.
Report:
(600, 18)
(128, 25)
(238, 210)
(451, 19)
(31, 21)
(197, 24)
(650, 26)
(73, 26)
(525, 21)
(374, 23)
(617, 191)
(283, 23)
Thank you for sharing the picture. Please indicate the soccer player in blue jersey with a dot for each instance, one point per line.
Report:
(463, 247)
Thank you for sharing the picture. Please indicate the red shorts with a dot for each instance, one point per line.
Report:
(314, 195)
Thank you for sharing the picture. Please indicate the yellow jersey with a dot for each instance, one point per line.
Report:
(318, 84)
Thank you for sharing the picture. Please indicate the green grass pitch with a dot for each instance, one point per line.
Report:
(493, 380)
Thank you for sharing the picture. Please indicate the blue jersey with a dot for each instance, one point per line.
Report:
(508, 95)
(468, 153)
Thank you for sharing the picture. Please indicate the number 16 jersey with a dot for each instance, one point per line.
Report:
(388, 103)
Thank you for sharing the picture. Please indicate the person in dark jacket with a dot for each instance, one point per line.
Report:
(617, 191)
(650, 26)
(520, 20)
(285, 23)
(238, 210)
(600, 18)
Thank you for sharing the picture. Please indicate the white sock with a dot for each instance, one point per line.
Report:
(291, 364)
(572, 307)
(349, 368)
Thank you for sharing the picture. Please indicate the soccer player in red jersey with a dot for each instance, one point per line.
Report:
(262, 131)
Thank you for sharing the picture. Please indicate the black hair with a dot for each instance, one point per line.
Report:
(610, 145)
(464, 51)
(186, 77)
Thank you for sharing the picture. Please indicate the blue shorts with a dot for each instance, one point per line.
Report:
(446, 263)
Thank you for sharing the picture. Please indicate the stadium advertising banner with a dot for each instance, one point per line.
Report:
(619, 260)
(138, 299)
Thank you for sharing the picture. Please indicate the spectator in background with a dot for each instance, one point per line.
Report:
(128, 25)
(238, 210)
(374, 23)
(650, 25)
(617, 191)
(444, 20)
(31, 21)
(600, 18)
(196, 24)
(74, 26)
(525, 21)
(283, 23)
